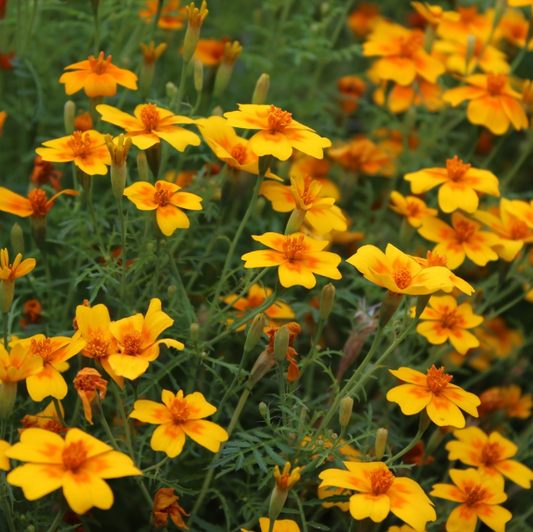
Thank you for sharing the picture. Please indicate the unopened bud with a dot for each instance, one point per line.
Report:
(255, 331)
(198, 76)
(327, 300)
(142, 167)
(296, 219)
(231, 53)
(119, 153)
(345, 411)
(192, 35)
(261, 89)
(217, 111)
(172, 93)
(8, 396)
(263, 409)
(68, 116)
(470, 51)
(281, 343)
(171, 290)
(194, 331)
(30, 528)
(38, 230)
(390, 304)
(421, 304)
(17, 239)
(381, 442)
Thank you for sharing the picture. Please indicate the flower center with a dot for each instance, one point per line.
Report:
(80, 144)
(402, 277)
(518, 229)
(132, 343)
(475, 495)
(37, 199)
(409, 45)
(179, 411)
(99, 66)
(97, 346)
(496, 83)
(74, 455)
(162, 195)
(464, 231)
(150, 116)
(41, 348)
(311, 190)
(239, 153)
(278, 119)
(435, 259)
(294, 248)
(450, 320)
(85, 383)
(491, 453)
(437, 380)
(468, 14)
(413, 209)
(381, 480)
(54, 425)
(456, 168)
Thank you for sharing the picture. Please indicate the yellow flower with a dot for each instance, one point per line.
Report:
(478, 497)
(447, 321)
(299, 258)
(78, 464)
(152, 53)
(380, 492)
(411, 207)
(278, 132)
(35, 205)
(490, 454)
(90, 387)
(48, 419)
(287, 479)
(281, 525)
(435, 393)
(10, 272)
(470, 23)
(434, 14)
(136, 337)
(18, 365)
(177, 417)
(167, 201)
(458, 184)
(171, 15)
(4, 460)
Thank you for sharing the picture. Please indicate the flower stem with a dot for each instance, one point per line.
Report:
(59, 516)
(6, 507)
(4, 320)
(123, 251)
(282, 392)
(124, 418)
(59, 413)
(108, 432)
(181, 90)
(424, 423)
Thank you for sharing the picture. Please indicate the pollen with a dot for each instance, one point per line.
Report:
(475, 495)
(491, 453)
(162, 195)
(179, 410)
(496, 83)
(41, 348)
(294, 248)
(464, 231)
(74, 455)
(132, 343)
(381, 480)
(97, 346)
(278, 119)
(238, 152)
(402, 277)
(99, 66)
(437, 380)
(80, 144)
(150, 116)
(456, 168)
(37, 199)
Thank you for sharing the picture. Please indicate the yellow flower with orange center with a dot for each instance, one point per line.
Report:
(167, 201)
(470, 22)
(445, 320)
(10, 272)
(177, 417)
(4, 460)
(299, 258)
(171, 16)
(48, 419)
(150, 125)
(434, 14)
(435, 393)
(137, 340)
(380, 492)
(492, 102)
(411, 207)
(77, 464)
(479, 497)
(402, 54)
(18, 364)
(90, 387)
(490, 454)
(86, 149)
(278, 132)
(514, 28)
(464, 239)
(98, 77)
(36, 204)
(508, 398)
(165, 506)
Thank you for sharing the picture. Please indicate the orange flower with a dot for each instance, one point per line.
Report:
(35, 205)
(497, 339)
(210, 51)
(48, 420)
(171, 16)
(167, 202)
(44, 173)
(32, 313)
(351, 88)
(508, 398)
(83, 122)
(411, 207)
(165, 506)
(434, 14)
(514, 28)
(470, 23)
(362, 155)
(90, 387)
(305, 165)
(435, 393)
(87, 150)
(294, 330)
(363, 19)
(98, 77)
(492, 102)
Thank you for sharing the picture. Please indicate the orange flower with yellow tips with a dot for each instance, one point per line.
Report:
(402, 54)
(298, 257)
(459, 184)
(54, 353)
(150, 125)
(434, 14)
(445, 320)
(36, 204)
(171, 16)
(98, 77)
(180, 416)
(137, 340)
(490, 454)
(379, 493)
(5, 465)
(167, 201)
(434, 392)
(278, 132)
(491, 102)
(90, 387)
(165, 506)
(280, 525)
(479, 497)
(463, 239)
(78, 464)
(87, 150)
(411, 207)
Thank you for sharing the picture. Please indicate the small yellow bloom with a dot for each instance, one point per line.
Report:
(18, 365)
(171, 15)
(10, 272)
(287, 479)
(434, 14)
(152, 53)
(411, 207)
(5, 465)
(48, 419)
(280, 525)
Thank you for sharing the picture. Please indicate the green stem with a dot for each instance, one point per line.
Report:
(157, 265)
(59, 517)
(244, 291)
(29, 30)
(123, 251)
(191, 315)
(59, 413)
(95, 224)
(96, 30)
(6, 335)
(415, 440)
(504, 183)
(181, 90)
(232, 386)
(6, 507)
(282, 392)
(506, 307)
(124, 418)
(159, 465)
(108, 432)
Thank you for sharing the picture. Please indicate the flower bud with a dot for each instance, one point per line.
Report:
(194, 331)
(192, 35)
(142, 167)
(171, 290)
(198, 76)
(172, 93)
(153, 156)
(281, 343)
(231, 53)
(150, 55)
(327, 300)
(390, 304)
(217, 111)
(263, 410)
(421, 304)
(8, 396)
(255, 331)
(38, 230)
(345, 411)
(470, 51)
(295, 221)
(17, 239)
(119, 153)
(381, 442)
(261, 89)
(284, 481)
(68, 116)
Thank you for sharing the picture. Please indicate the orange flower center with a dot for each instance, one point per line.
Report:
(162, 195)
(456, 168)
(150, 116)
(413, 209)
(179, 410)
(402, 277)
(496, 83)
(475, 495)
(282, 481)
(468, 14)
(54, 425)
(80, 144)
(74, 455)
(278, 119)
(239, 153)
(381, 480)
(464, 231)
(435, 259)
(294, 248)
(409, 45)
(310, 193)
(491, 453)
(132, 343)
(437, 380)
(450, 319)
(99, 66)
(97, 346)
(518, 229)
(42, 348)
(85, 383)
(37, 199)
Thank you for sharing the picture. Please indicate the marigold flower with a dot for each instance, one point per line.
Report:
(31, 312)
(44, 173)
(448, 321)
(478, 497)
(48, 419)
(5, 465)
(165, 506)
(470, 23)
(280, 525)
(165, 199)
(435, 393)
(98, 77)
(171, 16)
(492, 102)
(287, 479)
(137, 340)
(18, 365)
(490, 454)
(508, 398)
(177, 417)
(299, 258)
(464, 239)
(78, 464)
(380, 492)
(83, 122)
(497, 339)
(514, 28)
(90, 387)
(151, 124)
(434, 14)
(35, 205)
(210, 51)
(86, 149)
(411, 207)
(10, 272)
(152, 53)
(294, 330)
(363, 19)
(278, 132)
(351, 88)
